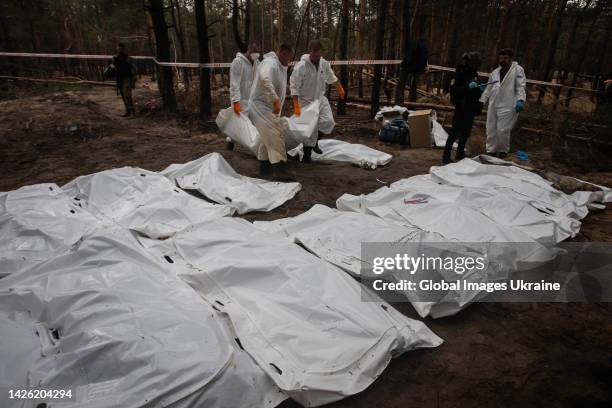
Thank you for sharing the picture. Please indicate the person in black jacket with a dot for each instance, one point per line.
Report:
(465, 93)
(125, 72)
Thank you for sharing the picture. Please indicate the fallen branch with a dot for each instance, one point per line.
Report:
(57, 81)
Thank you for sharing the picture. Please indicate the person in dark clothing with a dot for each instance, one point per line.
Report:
(465, 93)
(125, 73)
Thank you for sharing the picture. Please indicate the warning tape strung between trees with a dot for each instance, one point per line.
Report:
(228, 64)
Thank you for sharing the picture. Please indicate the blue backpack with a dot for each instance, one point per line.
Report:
(395, 131)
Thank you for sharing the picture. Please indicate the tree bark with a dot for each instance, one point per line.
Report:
(553, 46)
(379, 49)
(203, 58)
(240, 43)
(344, 21)
(406, 51)
(361, 42)
(583, 51)
(180, 36)
(299, 33)
(165, 77)
(280, 11)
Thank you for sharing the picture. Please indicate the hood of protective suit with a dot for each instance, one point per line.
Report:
(306, 58)
(271, 54)
(243, 56)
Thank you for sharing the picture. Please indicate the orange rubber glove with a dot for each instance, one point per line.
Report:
(340, 89)
(297, 111)
(277, 106)
(237, 108)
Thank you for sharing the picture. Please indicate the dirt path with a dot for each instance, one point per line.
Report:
(493, 355)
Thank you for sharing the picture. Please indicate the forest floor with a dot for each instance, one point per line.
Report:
(493, 355)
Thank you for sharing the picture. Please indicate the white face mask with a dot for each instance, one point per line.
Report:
(254, 56)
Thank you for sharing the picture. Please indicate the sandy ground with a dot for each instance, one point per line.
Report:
(493, 355)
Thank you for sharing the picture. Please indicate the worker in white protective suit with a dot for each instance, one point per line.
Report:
(308, 81)
(242, 73)
(505, 93)
(265, 105)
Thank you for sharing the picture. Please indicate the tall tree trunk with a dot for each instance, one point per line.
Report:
(299, 33)
(378, 54)
(203, 58)
(361, 26)
(602, 55)
(506, 12)
(180, 37)
(263, 25)
(344, 21)
(7, 38)
(554, 39)
(240, 43)
(540, 32)
(583, 51)
(406, 51)
(273, 43)
(164, 79)
(280, 11)
(249, 35)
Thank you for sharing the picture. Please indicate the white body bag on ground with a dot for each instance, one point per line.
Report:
(214, 178)
(339, 150)
(38, 222)
(110, 324)
(317, 332)
(142, 201)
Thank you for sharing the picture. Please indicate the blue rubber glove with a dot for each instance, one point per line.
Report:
(473, 85)
(520, 105)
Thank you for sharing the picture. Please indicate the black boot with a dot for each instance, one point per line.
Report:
(317, 149)
(281, 173)
(230, 145)
(307, 155)
(127, 113)
(265, 167)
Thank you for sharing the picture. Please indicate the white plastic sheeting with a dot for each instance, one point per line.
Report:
(595, 198)
(464, 202)
(339, 150)
(213, 314)
(440, 135)
(336, 236)
(214, 178)
(110, 324)
(314, 330)
(38, 222)
(303, 128)
(449, 210)
(525, 185)
(400, 110)
(141, 201)
(239, 129)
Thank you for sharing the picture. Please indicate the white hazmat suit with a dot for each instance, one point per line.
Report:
(501, 112)
(242, 73)
(308, 83)
(270, 84)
